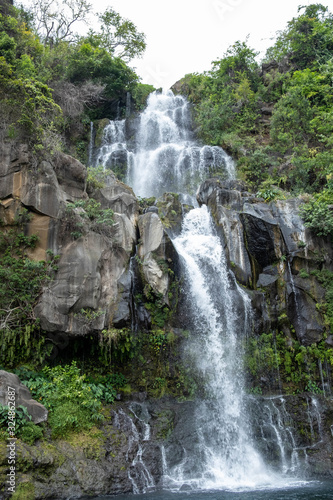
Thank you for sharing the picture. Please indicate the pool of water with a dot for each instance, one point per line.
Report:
(314, 490)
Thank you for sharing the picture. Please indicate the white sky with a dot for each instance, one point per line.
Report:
(185, 36)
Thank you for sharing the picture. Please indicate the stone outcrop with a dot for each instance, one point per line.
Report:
(154, 251)
(13, 391)
(267, 245)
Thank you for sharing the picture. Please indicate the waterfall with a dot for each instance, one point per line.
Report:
(220, 312)
(218, 448)
(164, 156)
(138, 434)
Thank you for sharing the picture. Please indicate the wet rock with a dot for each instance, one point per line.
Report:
(266, 280)
(267, 245)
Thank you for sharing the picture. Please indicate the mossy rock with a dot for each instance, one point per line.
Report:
(99, 127)
(24, 491)
(170, 210)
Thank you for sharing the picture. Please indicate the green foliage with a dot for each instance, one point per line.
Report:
(91, 215)
(24, 428)
(226, 95)
(22, 417)
(158, 341)
(85, 73)
(154, 303)
(21, 281)
(140, 94)
(234, 103)
(74, 403)
(120, 36)
(307, 40)
(325, 278)
(88, 61)
(273, 355)
(31, 432)
(303, 274)
(96, 178)
(318, 216)
(116, 344)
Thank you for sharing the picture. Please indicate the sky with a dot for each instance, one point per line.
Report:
(185, 36)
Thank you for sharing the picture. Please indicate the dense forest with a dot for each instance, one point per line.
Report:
(275, 117)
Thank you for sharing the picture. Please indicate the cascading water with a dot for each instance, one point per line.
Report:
(165, 157)
(222, 452)
(224, 456)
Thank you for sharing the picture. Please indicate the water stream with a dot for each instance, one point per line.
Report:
(220, 312)
(223, 454)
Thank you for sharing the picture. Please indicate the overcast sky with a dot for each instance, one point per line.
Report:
(185, 36)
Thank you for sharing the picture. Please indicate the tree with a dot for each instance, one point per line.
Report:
(119, 36)
(307, 41)
(54, 20)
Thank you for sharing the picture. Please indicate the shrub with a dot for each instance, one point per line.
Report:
(21, 281)
(318, 216)
(74, 403)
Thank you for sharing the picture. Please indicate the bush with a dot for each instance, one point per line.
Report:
(24, 428)
(21, 281)
(74, 403)
(318, 216)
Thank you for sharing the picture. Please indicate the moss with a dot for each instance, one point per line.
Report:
(126, 389)
(169, 210)
(24, 491)
(165, 424)
(99, 127)
(90, 443)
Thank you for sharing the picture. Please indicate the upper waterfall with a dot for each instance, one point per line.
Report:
(165, 156)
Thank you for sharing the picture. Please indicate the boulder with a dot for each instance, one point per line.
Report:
(71, 175)
(154, 250)
(12, 390)
(119, 197)
(87, 279)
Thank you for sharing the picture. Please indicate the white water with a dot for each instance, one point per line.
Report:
(220, 313)
(138, 433)
(164, 156)
(222, 454)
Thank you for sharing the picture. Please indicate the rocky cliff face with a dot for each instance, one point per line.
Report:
(93, 289)
(93, 271)
(267, 245)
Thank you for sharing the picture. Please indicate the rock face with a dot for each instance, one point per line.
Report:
(12, 390)
(92, 287)
(267, 245)
(152, 252)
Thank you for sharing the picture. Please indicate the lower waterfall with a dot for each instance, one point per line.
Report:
(223, 454)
